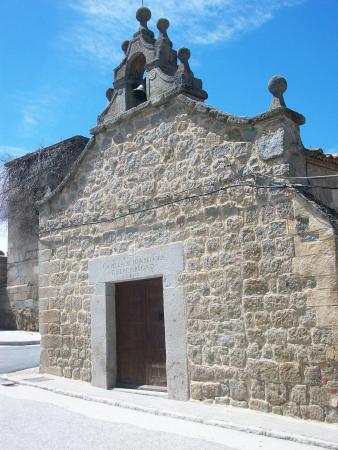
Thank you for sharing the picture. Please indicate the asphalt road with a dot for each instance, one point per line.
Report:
(47, 421)
(39, 426)
(18, 357)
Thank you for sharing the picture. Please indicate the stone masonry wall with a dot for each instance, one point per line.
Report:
(260, 277)
(6, 316)
(319, 168)
(3, 270)
(22, 276)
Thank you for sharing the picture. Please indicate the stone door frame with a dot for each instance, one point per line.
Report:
(165, 261)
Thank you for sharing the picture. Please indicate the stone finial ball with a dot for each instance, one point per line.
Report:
(124, 46)
(109, 93)
(162, 24)
(183, 54)
(143, 15)
(277, 85)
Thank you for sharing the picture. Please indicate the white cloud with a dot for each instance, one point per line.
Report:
(29, 120)
(333, 150)
(104, 24)
(38, 107)
(8, 152)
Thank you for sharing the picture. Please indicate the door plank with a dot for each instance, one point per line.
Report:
(140, 333)
(156, 367)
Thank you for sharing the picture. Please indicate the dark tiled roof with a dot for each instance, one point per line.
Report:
(74, 144)
(317, 153)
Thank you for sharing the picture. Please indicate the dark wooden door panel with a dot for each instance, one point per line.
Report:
(156, 368)
(130, 317)
(140, 333)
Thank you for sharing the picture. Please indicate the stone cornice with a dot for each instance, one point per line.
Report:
(200, 107)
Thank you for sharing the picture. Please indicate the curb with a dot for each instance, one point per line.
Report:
(19, 343)
(161, 412)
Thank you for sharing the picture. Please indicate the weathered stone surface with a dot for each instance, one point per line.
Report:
(253, 331)
(52, 315)
(299, 336)
(322, 336)
(290, 373)
(298, 394)
(237, 357)
(259, 405)
(201, 373)
(196, 390)
(286, 318)
(332, 416)
(316, 354)
(255, 286)
(251, 250)
(222, 400)
(238, 390)
(276, 394)
(275, 302)
(276, 336)
(312, 412)
(263, 370)
(277, 410)
(283, 353)
(319, 395)
(239, 404)
(254, 351)
(291, 409)
(270, 145)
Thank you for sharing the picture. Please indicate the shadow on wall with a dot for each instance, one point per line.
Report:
(7, 318)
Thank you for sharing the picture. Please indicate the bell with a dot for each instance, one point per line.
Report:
(140, 92)
(140, 88)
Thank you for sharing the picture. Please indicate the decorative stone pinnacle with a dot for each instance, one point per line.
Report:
(143, 15)
(109, 94)
(183, 55)
(124, 46)
(162, 25)
(163, 38)
(277, 86)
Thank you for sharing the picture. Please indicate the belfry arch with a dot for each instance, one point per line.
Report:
(150, 69)
(135, 81)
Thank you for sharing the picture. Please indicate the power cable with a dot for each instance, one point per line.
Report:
(191, 197)
(276, 177)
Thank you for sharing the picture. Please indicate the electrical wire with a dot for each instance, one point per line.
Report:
(301, 178)
(41, 172)
(191, 197)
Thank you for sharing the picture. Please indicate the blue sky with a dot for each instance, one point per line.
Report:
(57, 58)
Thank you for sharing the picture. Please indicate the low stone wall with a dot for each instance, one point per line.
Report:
(3, 270)
(23, 302)
(7, 320)
(18, 304)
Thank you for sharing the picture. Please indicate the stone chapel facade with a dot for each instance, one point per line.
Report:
(188, 248)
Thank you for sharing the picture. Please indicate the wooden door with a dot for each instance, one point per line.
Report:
(140, 340)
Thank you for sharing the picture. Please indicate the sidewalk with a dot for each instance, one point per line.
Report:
(18, 337)
(281, 427)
